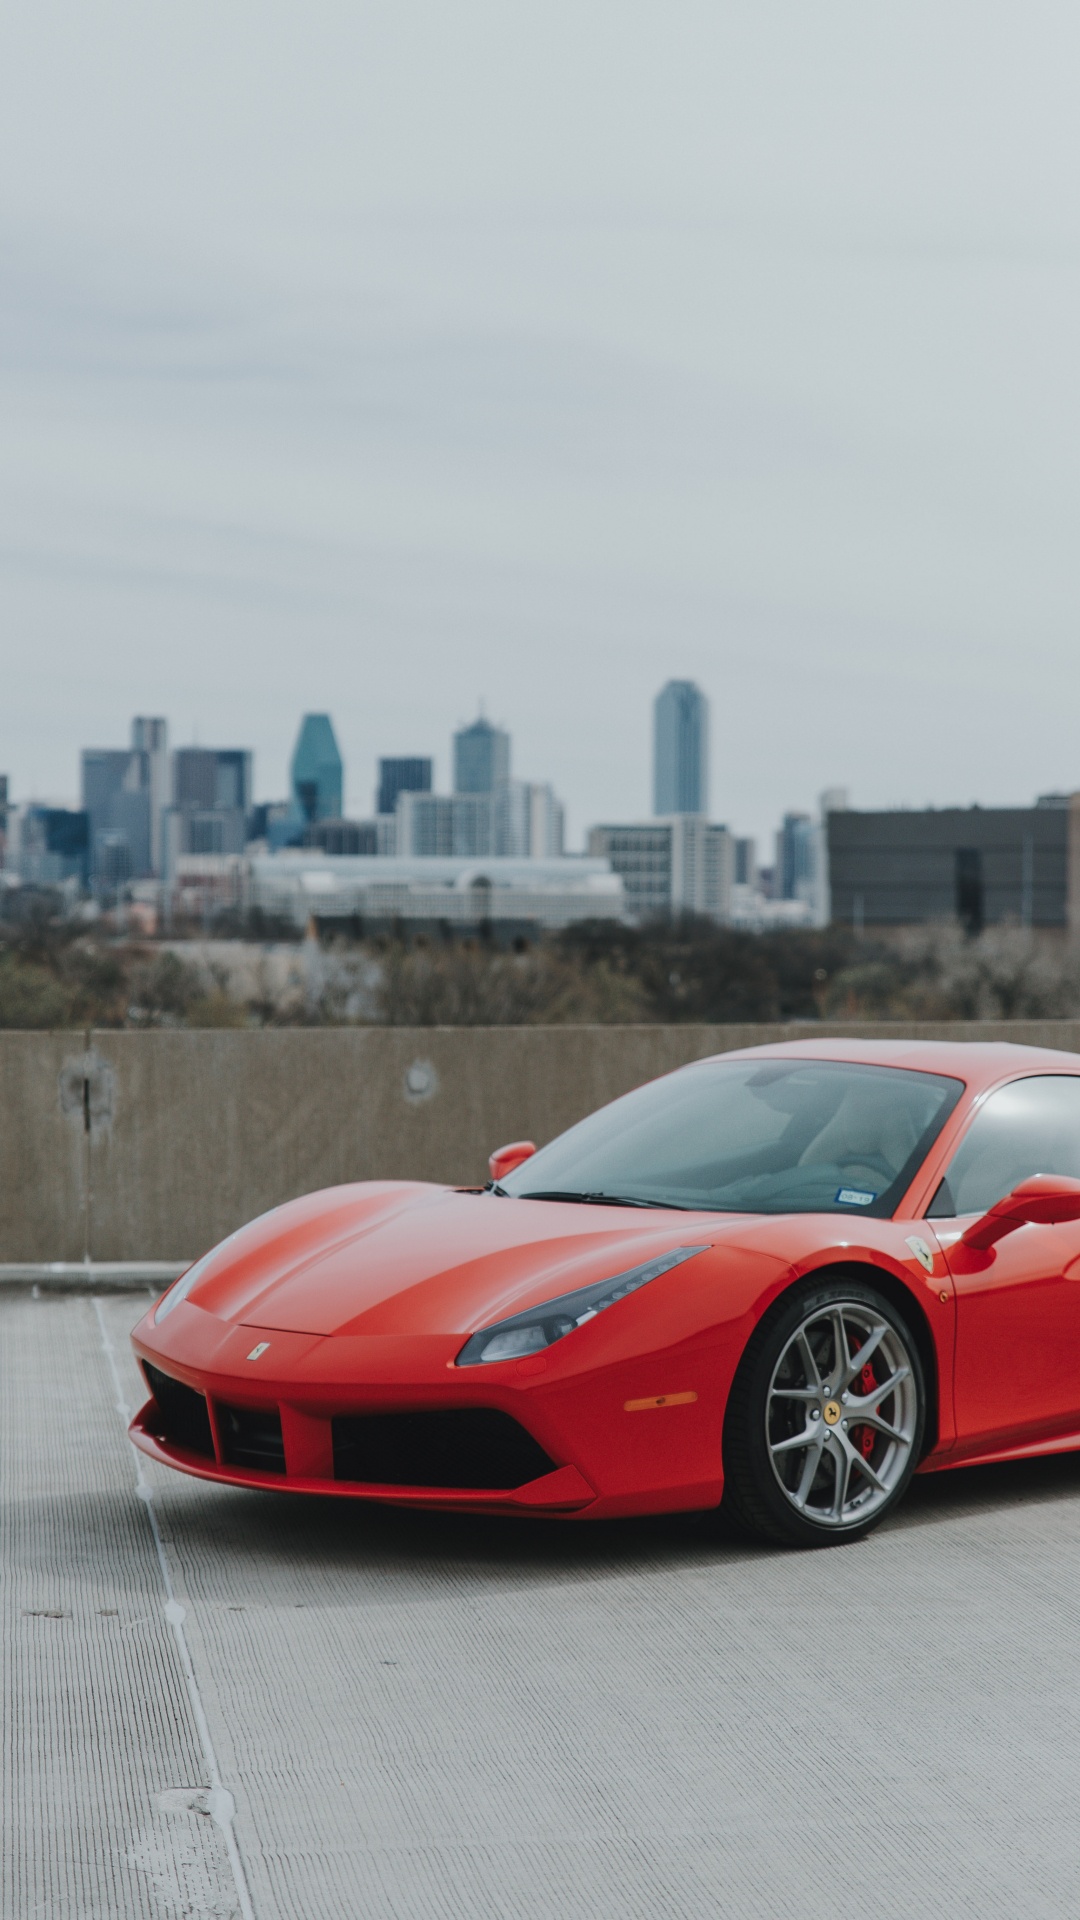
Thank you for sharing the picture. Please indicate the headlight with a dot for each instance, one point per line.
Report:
(541, 1326)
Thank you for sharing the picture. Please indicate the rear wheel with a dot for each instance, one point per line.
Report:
(825, 1421)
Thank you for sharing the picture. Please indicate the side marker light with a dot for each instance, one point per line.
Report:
(659, 1400)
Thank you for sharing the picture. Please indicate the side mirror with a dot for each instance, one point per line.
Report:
(505, 1159)
(1047, 1199)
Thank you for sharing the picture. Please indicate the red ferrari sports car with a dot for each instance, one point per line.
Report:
(787, 1278)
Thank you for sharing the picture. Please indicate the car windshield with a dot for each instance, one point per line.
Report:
(751, 1136)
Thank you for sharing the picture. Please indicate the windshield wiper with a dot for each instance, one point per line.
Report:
(606, 1200)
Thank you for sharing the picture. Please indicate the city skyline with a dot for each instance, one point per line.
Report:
(361, 774)
(421, 770)
(479, 761)
(360, 789)
(223, 853)
(554, 383)
(154, 801)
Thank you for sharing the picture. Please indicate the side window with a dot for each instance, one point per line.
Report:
(1032, 1126)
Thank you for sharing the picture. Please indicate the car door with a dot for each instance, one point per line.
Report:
(1017, 1365)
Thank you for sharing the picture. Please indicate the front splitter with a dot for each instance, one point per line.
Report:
(564, 1491)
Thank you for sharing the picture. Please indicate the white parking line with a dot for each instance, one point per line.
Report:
(220, 1800)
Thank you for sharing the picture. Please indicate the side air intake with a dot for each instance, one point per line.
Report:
(466, 1447)
(185, 1421)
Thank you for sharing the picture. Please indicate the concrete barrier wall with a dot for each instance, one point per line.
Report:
(152, 1146)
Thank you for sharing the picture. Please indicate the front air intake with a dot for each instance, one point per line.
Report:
(466, 1447)
(185, 1421)
(251, 1437)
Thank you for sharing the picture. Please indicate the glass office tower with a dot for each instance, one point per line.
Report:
(681, 749)
(403, 774)
(317, 770)
(481, 757)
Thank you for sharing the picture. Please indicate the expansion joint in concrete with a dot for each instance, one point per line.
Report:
(220, 1801)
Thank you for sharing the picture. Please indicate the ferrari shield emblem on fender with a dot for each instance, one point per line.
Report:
(921, 1251)
(257, 1352)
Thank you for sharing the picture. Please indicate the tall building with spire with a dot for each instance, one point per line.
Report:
(481, 757)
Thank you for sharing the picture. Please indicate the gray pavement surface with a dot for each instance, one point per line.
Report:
(219, 1703)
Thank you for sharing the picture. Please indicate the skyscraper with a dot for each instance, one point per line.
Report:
(150, 735)
(795, 858)
(481, 757)
(125, 792)
(55, 847)
(212, 778)
(401, 775)
(317, 772)
(745, 872)
(116, 795)
(680, 749)
(211, 803)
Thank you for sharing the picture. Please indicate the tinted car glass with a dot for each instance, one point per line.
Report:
(1031, 1126)
(752, 1136)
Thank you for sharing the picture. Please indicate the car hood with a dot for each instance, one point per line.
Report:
(405, 1259)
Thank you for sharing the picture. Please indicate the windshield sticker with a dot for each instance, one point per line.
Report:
(854, 1197)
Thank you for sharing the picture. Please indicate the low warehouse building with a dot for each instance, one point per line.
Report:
(509, 897)
(983, 866)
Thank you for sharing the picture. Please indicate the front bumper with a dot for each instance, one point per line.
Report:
(623, 1431)
(563, 1491)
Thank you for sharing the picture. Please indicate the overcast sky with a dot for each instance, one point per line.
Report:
(390, 358)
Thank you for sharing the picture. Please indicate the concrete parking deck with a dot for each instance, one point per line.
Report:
(221, 1703)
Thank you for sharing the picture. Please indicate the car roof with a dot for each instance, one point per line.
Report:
(979, 1063)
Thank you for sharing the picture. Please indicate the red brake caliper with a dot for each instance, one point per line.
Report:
(866, 1434)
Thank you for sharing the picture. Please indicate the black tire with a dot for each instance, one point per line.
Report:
(820, 1490)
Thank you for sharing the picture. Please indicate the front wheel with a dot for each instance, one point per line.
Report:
(825, 1421)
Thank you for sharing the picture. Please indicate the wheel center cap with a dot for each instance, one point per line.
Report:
(832, 1412)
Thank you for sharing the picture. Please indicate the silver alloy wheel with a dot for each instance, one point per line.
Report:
(841, 1414)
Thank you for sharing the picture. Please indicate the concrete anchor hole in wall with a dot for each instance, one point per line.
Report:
(421, 1081)
(88, 1090)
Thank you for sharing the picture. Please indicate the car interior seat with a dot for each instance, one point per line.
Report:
(869, 1127)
